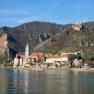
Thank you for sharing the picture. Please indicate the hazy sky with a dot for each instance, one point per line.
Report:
(15, 12)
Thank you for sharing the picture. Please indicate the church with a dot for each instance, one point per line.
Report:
(22, 60)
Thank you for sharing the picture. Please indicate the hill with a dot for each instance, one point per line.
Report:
(71, 41)
(32, 33)
(50, 37)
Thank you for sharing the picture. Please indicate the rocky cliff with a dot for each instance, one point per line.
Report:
(3, 47)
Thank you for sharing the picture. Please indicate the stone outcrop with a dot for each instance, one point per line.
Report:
(3, 47)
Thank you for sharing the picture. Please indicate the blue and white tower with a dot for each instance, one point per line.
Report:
(26, 55)
(27, 51)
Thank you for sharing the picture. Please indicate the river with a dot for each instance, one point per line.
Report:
(46, 82)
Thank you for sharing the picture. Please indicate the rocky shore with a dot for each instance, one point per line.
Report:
(65, 68)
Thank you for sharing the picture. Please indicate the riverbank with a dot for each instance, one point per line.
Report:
(51, 69)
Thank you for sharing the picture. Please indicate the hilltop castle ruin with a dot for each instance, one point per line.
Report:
(77, 26)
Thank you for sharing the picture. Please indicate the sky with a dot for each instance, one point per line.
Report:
(16, 12)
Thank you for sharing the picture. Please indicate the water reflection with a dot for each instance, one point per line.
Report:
(46, 82)
(3, 82)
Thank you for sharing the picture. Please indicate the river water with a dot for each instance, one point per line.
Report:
(46, 82)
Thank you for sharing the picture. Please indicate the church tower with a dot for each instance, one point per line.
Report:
(27, 51)
(26, 55)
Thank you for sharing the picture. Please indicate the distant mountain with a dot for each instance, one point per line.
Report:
(32, 33)
(51, 37)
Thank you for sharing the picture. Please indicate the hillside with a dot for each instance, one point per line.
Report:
(71, 41)
(32, 33)
(49, 37)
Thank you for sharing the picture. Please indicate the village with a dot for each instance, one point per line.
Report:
(47, 60)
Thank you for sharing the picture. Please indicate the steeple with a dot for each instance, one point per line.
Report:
(27, 51)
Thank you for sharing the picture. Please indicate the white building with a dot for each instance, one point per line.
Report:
(56, 59)
(22, 62)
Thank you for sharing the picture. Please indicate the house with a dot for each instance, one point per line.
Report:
(36, 55)
(57, 58)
